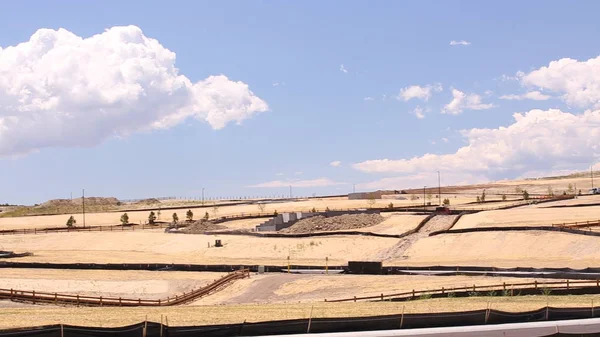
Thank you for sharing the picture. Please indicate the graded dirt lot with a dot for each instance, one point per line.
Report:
(534, 215)
(295, 288)
(503, 249)
(112, 218)
(155, 246)
(114, 283)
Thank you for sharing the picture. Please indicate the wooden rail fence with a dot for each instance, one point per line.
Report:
(510, 288)
(56, 298)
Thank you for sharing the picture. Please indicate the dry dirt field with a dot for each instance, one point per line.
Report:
(504, 249)
(116, 283)
(112, 218)
(283, 296)
(24, 316)
(296, 288)
(154, 246)
(534, 215)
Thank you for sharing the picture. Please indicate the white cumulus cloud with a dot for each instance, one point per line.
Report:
(462, 101)
(343, 69)
(368, 98)
(418, 180)
(577, 81)
(320, 182)
(416, 91)
(418, 112)
(533, 95)
(459, 43)
(539, 140)
(60, 89)
(335, 163)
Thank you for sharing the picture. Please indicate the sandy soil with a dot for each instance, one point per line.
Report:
(503, 249)
(533, 215)
(112, 218)
(292, 288)
(131, 284)
(396, 223)
(150, 246)
(213, 314)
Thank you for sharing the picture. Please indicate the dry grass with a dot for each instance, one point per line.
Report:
(199, 315)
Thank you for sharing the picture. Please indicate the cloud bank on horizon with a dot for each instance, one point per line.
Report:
(60, 89)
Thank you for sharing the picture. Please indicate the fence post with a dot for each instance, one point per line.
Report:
(503, 285)
(535, 282)
(100, 300)
(442, 290)
(354, 298)
(77, 299)
(33, 296)
(402, 318)
(11, 293)
(120, 301)
(55, 298)
(382, 297)
(567, 283)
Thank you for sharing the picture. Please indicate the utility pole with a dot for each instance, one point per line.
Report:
(202, 196)
(83, 205)
(592, 174)
(439, 189)
(424, 197)
(290, 191)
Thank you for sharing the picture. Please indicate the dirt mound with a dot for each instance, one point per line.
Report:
(89, 201)
(335, 223)
(150, 201)
(202, 226)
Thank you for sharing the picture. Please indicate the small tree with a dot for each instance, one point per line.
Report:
(261, 207)
(518, 189)
(478, 199)
(151, 218)
(550, 191)
(158, 214)
(189, 215)
(483, 196)
(275, 213)
(446, 202)
(525, 195)
(503, 197)
(579, 192)
(124, 219)
(175, 218)
(206, 216)
(390, 205)
(429, 196)
(71, 221)
(313, 210)
(371, 201)
(413, 197)
(327, 209)
(570, 189)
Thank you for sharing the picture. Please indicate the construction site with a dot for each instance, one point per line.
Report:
(228, 262)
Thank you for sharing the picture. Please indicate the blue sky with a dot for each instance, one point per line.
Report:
(325, 81)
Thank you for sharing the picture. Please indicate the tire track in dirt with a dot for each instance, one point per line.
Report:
(436, 223)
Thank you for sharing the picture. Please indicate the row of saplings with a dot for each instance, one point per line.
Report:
(152, 217)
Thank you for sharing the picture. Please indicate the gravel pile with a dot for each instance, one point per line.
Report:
(202, 226)
(335, 223)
